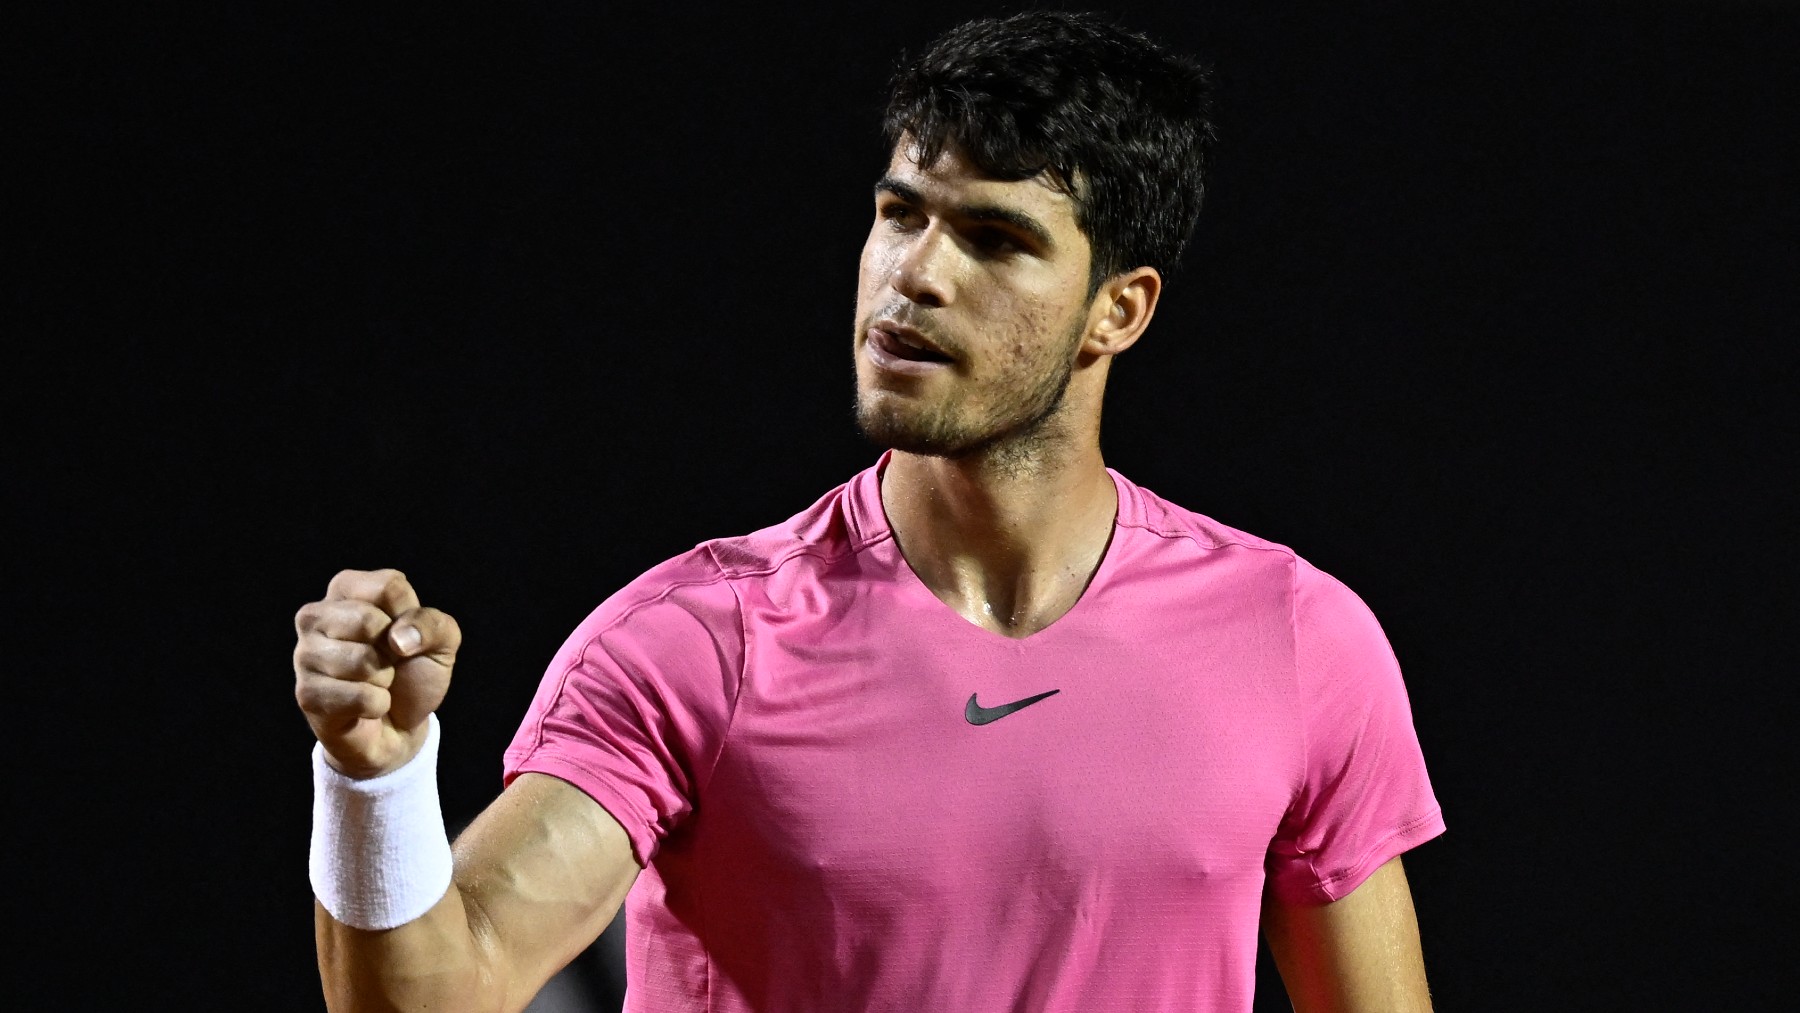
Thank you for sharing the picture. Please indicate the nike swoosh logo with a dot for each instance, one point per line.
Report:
(976, 714)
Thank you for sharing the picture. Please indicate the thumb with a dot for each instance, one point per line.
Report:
(423, 642)
(424, 634)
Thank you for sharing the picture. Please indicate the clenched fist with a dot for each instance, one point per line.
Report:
(370, 667)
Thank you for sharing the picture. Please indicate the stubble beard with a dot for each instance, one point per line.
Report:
(1013, 437)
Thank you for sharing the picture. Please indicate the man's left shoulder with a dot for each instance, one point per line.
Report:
(1143, 509)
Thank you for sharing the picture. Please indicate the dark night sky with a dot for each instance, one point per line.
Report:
(1489, 313)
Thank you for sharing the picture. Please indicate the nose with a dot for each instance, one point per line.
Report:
(922, 273)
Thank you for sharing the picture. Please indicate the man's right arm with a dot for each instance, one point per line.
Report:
(537, 877)
(534, 879)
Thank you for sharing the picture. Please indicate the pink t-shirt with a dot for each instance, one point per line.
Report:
(786, 725)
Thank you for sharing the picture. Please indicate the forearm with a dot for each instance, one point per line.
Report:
(505, 925)
(391, 923)
(433, 962)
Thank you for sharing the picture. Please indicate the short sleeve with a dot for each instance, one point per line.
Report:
(634, 708)
(1365, 796)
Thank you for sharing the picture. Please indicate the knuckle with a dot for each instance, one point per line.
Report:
(307, 617)
(308, 695)
(344, 660)
(311, 654)
(372, 701)
(348, 620)
(452, 633)
(369, 621)
(325, 697)
(319, 656)
(365, 585)
(441, 628)
(360, 661)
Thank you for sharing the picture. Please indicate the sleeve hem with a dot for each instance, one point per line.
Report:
(639, 830)
(1408, 836)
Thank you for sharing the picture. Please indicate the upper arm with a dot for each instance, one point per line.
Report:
(1358, 954)
(540, 872)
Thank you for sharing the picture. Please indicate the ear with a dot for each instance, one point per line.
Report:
(1122, 309)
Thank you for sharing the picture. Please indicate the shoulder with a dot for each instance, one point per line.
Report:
(1308, 587)
(828, 530)
(705, 583)
(1148, 513)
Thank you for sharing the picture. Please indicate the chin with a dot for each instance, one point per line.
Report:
(891, 427)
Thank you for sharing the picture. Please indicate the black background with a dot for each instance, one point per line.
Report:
(1488, 314)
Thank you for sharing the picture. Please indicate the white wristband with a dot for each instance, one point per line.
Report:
(380, 857)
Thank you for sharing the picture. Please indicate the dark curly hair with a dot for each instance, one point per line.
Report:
(1116, 121)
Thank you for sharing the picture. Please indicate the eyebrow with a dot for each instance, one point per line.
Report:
(974, 212)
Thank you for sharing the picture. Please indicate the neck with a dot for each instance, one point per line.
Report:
(1009, 543)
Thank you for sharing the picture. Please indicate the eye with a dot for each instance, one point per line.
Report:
(894, 212)
(995, 241)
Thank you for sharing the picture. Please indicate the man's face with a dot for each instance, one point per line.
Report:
(972, 304)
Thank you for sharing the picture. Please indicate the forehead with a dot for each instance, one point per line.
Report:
(954, 181)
